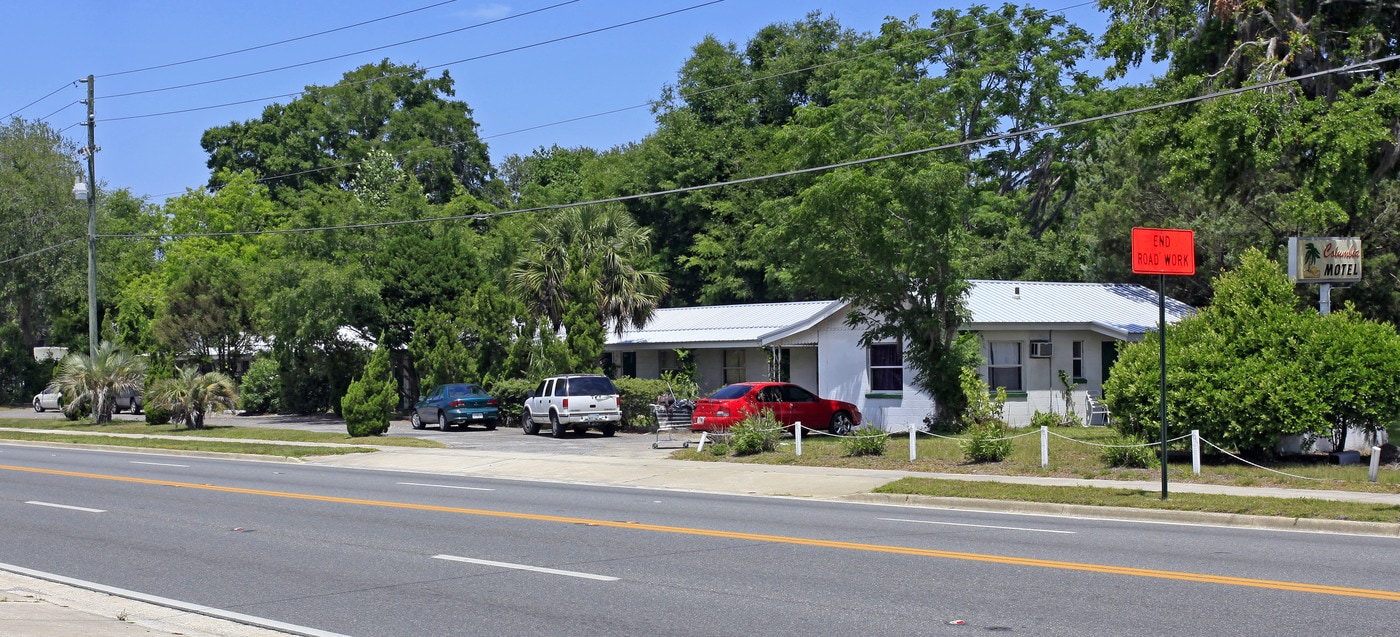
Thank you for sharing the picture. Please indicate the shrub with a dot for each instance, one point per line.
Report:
(755, 434)
(261, 387)
(719, 449)
(369, 399)
(158, 415)
(637, 396)
(869, 440)
(1045, 419)
(510, 398)
(986, 442)
(1128, 453)
(983, 406)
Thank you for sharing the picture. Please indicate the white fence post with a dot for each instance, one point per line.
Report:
(913, 437)
(1196, 451)
(1375, 462)
(797, 431)
(704, 435)
(1044, 446)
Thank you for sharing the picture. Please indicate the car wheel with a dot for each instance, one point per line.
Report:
(556, 428)
(415, 420)
(136, 408)
(527, 423)
(442, 421)
(841, 424)
(37, 407)
(609, 430)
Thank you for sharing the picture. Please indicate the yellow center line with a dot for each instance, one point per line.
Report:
(759, 537)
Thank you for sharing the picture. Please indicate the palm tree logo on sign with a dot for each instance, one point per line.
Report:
(1310, 257)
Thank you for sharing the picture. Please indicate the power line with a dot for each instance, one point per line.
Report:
(685, 95)
(435, 66)
(277, 43)
(789, 173)
(42, 250)
(228, 53)
(55, 92)
(343, 55)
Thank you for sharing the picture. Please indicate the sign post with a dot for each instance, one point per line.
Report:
(1163, 251)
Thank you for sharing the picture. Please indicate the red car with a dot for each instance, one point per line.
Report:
(789, 403)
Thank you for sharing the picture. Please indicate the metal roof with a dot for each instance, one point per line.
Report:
(1121, 310)
(752, 325)
(1115, 309)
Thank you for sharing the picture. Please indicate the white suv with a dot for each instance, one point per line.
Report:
(577, 401)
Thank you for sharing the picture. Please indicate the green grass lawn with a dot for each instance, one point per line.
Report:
(1147, 499)
(197, 439)
(1068, 459)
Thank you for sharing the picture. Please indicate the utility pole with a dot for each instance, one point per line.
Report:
(91, 151)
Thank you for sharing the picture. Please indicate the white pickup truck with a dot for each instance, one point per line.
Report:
(576, 401)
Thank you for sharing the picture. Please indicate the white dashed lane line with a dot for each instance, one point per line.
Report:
(65, 506)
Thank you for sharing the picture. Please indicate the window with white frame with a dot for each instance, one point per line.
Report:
(1077, 360)
(886, 367)
(1004, 365)
(733, 366)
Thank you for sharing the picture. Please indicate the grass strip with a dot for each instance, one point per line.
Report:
(219, 431)
(191, 444)
(1145, 499)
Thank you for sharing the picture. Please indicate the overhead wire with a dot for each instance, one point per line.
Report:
(277, 43)
(435, 66)
(789, 173)
(41, 250)
(55, 92)
(340, 56)
(235, 52)
(684, 95)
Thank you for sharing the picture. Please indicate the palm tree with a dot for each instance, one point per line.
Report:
(191, 394)
(95, 381)
(604, 237)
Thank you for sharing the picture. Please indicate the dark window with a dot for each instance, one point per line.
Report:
(730, 392)
(629, 364)
(591, 386)
(1004, 366)
(886, 367)
(795, 394)
(1077, 359)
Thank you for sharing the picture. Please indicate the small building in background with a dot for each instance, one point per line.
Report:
(1029, 333)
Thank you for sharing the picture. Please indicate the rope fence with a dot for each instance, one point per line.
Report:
(800, 431)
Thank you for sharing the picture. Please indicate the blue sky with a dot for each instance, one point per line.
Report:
(52, 44)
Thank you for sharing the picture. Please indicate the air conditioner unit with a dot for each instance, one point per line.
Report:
(1040, 349)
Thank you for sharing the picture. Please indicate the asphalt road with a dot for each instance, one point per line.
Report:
(384, 553)
(509, 439)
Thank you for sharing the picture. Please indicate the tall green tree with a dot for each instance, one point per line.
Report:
(899, 238)
(43, 275)
(317, 138)
(602, 239)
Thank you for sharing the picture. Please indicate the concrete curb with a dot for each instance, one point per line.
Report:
(1305, 525)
